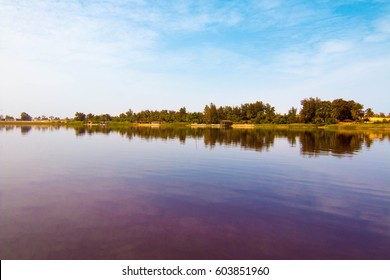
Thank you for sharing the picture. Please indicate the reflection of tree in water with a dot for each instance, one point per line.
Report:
(313, 143)
(148, 133)
(335, 143)
(44, 128)
(25, 129)
(248, 139)
(80, 131)
(6, 127)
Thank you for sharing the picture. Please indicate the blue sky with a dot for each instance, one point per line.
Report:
(59, 57)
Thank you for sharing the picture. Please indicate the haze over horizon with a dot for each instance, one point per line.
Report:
(59, 57)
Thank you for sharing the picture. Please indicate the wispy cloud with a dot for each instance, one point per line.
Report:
(381, 31)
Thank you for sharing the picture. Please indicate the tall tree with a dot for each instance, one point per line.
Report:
(356, 110)
(269, 113)
(292, 115)
(210, 114)
(323, 112)
(369, 113)
(309, 109)
(79, 116)
(182, 114)
(341, 109)
(25, 117)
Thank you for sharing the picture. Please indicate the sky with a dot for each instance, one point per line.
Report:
(58, 57)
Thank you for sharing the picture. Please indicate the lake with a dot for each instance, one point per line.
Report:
(182, 193)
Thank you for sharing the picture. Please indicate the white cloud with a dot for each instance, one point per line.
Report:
(335, 46)
(312, 61)
(383, 25)
(381, 31)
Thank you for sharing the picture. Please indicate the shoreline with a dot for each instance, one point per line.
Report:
(339, 126)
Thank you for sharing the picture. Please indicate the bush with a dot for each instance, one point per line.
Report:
(331, 121)
(318, 121)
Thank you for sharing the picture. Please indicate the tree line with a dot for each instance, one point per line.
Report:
(313, 110)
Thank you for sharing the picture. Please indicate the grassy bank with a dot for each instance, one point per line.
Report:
(339, 126)
(27, 123)
(359, 126)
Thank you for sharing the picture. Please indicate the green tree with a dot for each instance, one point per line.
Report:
(236, 114)
(221, 113)
(211, 114)
(130, 115)
(195, 117)
(105, 117)
(309, 109)
(369, 113)
(25, 117)
(79, 116)
(324, 112)
(347, 110)
(341, 109)
(182, 114)
(269, 113)
(357, 112)
(292, 115)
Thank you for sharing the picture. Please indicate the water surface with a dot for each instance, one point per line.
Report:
(153, 193)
